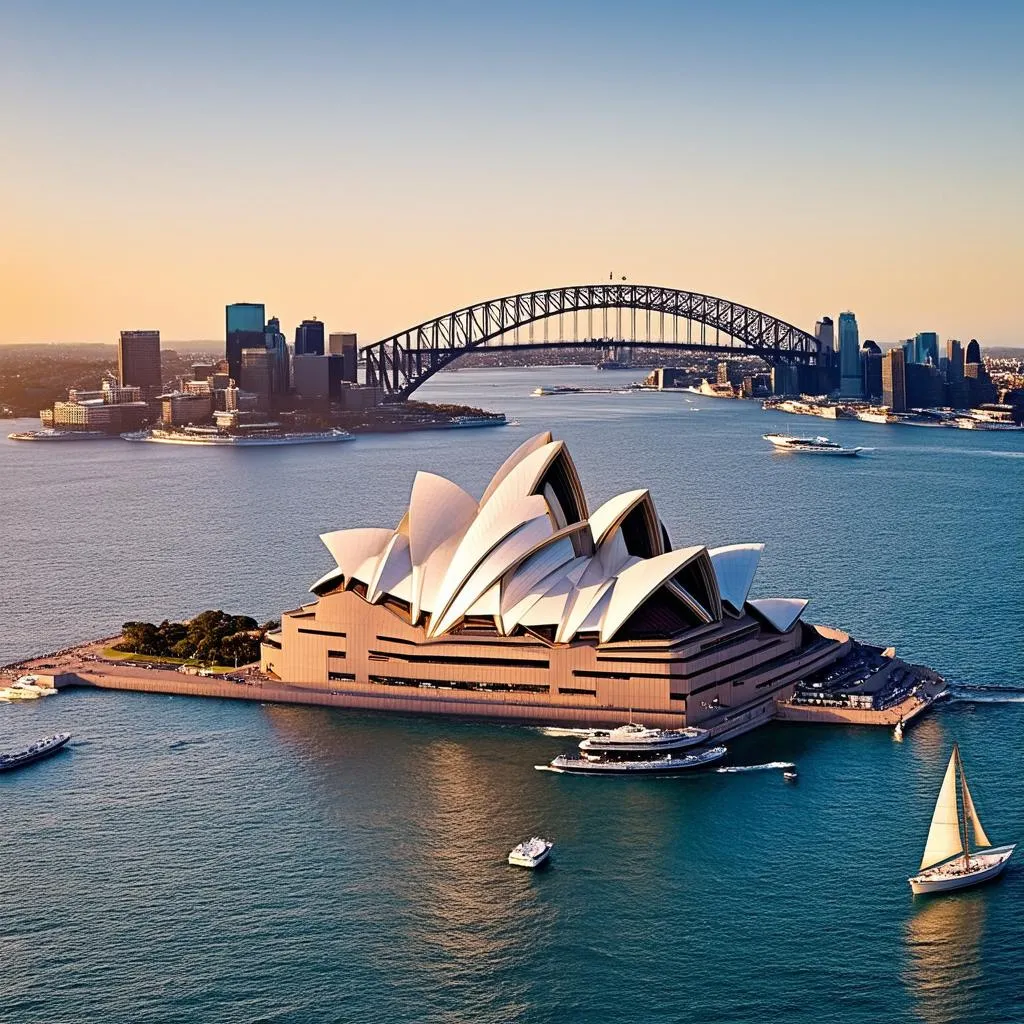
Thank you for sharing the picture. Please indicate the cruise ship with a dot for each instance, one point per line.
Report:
(524, 604)
(212, 436)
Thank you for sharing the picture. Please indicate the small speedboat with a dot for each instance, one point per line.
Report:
(531, 853)
(897, 733)
(790, 775)
(948, 862)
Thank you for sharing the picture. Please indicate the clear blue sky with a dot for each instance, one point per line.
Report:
(377, 164)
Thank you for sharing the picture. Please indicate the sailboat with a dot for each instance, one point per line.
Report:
(948, 862)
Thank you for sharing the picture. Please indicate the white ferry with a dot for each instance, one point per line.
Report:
(531, 853)
(809, 445)
(637, 739)
(661, 764)
(51, 434)
(210, 436)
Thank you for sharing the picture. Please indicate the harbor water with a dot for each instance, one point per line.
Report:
(194, 859)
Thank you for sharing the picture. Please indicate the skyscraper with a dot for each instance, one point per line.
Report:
(956, 387)
(850, 385)
(277, 345)
(973, 352)
(138, 360)
(309, 338)
(954, 361)
(871, 369)
(345, 344)
(825, 333)
(245, 322)
(894, 380)
(926, 347)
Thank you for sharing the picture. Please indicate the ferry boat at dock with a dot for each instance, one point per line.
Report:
(36, 752)
(660, 764)
(637, 739)
(211, 436)
(52, 434)
(809, 445)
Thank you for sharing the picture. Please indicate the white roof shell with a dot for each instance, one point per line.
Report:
(513, 557)
(735, 566)
(780, 613)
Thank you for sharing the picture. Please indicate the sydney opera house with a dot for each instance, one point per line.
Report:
(525, 605)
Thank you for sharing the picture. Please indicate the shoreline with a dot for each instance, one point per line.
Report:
(84, 666)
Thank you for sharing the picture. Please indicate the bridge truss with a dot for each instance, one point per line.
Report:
(401, 363)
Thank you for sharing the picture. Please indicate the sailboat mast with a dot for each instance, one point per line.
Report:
(962, 809)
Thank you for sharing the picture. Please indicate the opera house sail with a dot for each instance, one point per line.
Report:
(525, 605)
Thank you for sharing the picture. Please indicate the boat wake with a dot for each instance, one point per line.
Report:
(548, 768)
(552, 730)
(770, 766)
(987, 694)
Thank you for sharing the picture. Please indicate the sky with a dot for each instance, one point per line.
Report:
(377, 164)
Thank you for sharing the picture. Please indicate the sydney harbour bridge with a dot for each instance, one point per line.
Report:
(589, 315)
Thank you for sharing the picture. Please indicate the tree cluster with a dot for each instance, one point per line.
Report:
(212, 637)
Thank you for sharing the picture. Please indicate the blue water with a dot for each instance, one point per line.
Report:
(205, 860)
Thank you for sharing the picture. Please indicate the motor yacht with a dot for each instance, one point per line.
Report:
(36, 752)
(809, 445)
(531, 853)
(635, 738)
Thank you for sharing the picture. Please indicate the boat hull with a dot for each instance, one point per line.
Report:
(991, 865)
(619, 769)
(24, 759)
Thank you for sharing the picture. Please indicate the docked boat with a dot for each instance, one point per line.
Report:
(897, 733)
(16, 692)
(531, 853)
(40, 749)
(52, 434)
(636, 739)
(660, 764)
(809, 445)
(948, 862)
(211, 436)
(874, 416)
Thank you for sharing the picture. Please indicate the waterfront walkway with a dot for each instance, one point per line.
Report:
(87, 666)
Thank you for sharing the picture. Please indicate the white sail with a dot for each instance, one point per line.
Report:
(980, 839)
(944, 836)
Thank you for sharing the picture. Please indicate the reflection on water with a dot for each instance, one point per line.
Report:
(944, 969)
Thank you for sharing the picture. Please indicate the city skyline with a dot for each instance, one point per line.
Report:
(798, 161)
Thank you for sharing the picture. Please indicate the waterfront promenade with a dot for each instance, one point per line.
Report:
(87, 666)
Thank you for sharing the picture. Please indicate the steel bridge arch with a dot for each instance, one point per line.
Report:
(402, 362)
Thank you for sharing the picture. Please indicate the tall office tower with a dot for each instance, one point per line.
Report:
(344, 344)
(926, 347)
(309, 338)
(256, 374)
(723, 373)
(973, 352)
(871, 369)
(138, 361)
(849, 357)
(954, 361)
(245, 323)
(909, 351)
(277, 345)
(894, 380)
(825, 333)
